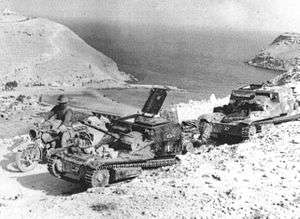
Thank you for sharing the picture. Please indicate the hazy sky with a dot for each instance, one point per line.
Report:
(278, 15)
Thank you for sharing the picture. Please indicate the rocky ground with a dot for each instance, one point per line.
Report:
(280, 55)
(17, 112)
(255, 179)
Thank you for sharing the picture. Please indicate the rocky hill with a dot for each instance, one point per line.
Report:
(37, 51)
(281, 54)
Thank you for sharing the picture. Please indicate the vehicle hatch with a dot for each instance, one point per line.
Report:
(155, 101)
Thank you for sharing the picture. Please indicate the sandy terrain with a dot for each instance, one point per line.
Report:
(255, 179)
(38, 51)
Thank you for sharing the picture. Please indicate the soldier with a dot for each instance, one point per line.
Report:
(63, 113)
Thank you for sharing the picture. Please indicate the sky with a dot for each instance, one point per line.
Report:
(266, 15)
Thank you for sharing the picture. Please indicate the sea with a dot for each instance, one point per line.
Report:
(202, 61)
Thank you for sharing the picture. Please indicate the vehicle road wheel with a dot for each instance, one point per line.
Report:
(188, 147)
(248, 132)
(205, 132)
(28, 158)
(252, 131)
(55, 167)
(96, 178)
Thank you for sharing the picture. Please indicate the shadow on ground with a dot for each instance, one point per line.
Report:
(49, 184)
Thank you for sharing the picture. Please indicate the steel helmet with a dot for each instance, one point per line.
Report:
(62, 99)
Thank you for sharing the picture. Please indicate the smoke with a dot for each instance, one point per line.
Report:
(268, 15)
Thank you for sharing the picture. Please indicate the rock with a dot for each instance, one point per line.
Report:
(216, 177)
(282, 54)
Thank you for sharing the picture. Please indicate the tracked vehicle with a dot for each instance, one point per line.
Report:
(135, 142)
(249, 109)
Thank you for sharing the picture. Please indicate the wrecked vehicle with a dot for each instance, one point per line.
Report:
(44, 141)
(132, 143)
(248, 110)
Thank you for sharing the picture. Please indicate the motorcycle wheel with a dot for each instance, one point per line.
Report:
(28, 158)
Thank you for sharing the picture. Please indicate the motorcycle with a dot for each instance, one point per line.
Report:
(45, 140)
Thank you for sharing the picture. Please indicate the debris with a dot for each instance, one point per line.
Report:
(216, 177)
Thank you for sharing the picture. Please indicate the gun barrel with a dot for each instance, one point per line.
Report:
(278, 119)
(99, 129)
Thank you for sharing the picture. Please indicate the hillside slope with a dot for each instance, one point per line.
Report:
(281, 54)
(255, 179)
(39, 51)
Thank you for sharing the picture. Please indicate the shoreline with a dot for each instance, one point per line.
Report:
(273, 69)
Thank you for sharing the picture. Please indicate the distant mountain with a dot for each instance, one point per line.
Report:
(282, 53)
(38, 51)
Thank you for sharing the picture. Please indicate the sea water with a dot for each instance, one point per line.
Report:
(202, 61)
